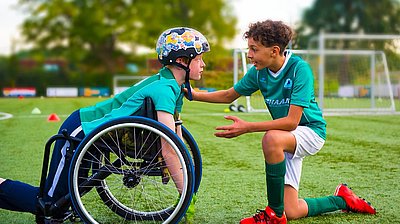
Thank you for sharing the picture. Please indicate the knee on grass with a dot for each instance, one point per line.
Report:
(296, 209)
(294, 214)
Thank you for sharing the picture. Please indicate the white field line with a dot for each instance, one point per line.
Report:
(4, 116)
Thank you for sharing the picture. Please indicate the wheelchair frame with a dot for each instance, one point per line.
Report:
(79, 148)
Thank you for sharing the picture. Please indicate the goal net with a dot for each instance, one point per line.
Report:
(349, 82)
(122, 82)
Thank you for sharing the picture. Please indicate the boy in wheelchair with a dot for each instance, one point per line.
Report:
(180, 50)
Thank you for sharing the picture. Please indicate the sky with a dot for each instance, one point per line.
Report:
(248, 11)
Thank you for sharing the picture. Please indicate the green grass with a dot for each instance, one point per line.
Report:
(362, 151)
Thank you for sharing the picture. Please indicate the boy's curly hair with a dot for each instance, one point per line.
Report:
(270, 33)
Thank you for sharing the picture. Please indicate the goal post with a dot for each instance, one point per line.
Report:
(351, 81)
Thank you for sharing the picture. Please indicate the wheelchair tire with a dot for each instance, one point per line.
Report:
(110, 181)
(196, 157)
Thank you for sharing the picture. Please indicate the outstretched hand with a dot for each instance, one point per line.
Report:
(238, 127)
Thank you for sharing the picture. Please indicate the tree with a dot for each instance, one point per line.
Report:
(355, 16)
(92, 30)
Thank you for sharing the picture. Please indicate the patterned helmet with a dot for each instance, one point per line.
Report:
(180, 42)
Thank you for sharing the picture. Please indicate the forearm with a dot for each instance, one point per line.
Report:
(288, 123)
(168, 153)
(221, 96)
(283, 124)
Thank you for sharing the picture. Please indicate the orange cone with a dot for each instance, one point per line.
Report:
(53, 117)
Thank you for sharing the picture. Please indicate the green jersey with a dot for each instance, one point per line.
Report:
(293, 84)
(162, 88)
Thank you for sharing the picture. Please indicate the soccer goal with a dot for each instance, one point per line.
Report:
(122, 82)
(351, 81)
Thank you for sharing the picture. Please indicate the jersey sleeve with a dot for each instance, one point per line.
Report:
(303, 88)
(165, 98)
(248, 84)
(179, 103)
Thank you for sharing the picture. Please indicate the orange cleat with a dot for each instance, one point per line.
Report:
(266, 216)
(353, 202)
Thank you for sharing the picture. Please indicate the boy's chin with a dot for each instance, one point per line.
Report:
(258, 67)
(197, 78)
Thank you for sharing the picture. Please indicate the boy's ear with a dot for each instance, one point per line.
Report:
(179, 60)
(275, 50)
(182, 60)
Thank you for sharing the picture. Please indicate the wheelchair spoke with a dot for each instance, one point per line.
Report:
(121, 173)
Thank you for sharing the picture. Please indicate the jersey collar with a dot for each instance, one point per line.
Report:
(287, 57)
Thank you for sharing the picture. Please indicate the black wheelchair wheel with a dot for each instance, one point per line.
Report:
(118, 173)
(196, 157)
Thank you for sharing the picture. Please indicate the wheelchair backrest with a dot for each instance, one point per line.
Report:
(147, 109)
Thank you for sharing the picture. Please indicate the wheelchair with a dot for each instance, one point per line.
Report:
(118, 173)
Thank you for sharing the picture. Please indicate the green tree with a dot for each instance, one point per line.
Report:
(90, 31)
(355, 16)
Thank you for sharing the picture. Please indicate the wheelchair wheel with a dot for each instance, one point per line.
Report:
(196, 157)
(118, 173)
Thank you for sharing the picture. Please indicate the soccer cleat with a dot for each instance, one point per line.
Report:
(353, 202)
(266, 216)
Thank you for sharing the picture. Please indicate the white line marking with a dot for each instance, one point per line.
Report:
(4, 116)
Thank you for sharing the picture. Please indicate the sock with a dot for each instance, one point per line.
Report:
(317, 206)
(275, 175)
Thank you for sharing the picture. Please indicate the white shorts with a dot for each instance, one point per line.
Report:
(307, 143)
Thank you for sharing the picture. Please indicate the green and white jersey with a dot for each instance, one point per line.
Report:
(293, 84)
(162, 88)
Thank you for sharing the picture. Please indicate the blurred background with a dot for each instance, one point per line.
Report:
(84, 45)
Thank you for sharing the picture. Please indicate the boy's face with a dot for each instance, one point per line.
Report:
(196, 67)
(259, 55)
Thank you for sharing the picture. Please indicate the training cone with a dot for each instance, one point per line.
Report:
(36, 111)
(53, 117)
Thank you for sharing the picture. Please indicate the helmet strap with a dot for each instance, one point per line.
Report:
(187, 82)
